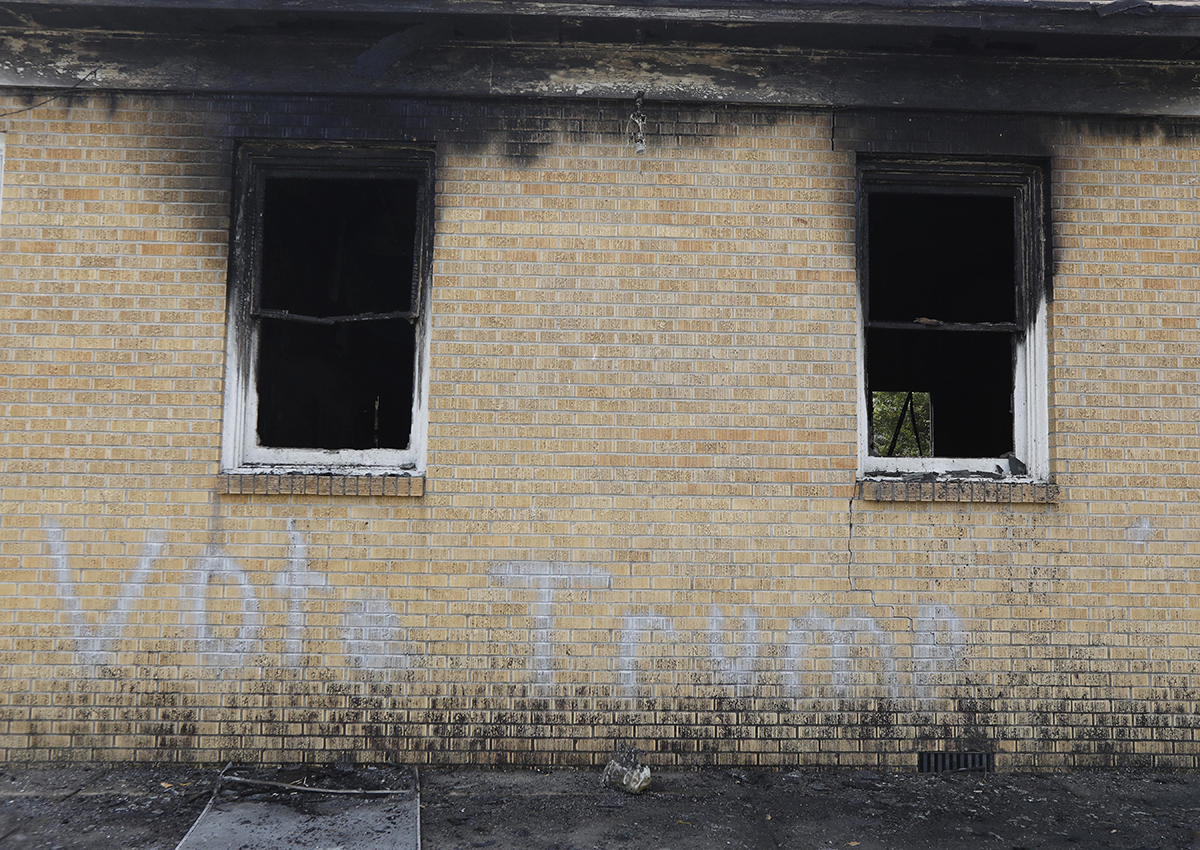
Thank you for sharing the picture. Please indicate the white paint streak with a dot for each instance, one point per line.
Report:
(545, 579)
(374, 636)
(637, 631)
(96, 643)
(298, 583)
(733, 644)
(136, 584)
(224, 646)
(939, 643)
(56, 544)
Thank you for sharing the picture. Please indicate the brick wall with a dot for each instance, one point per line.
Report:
(640, 520)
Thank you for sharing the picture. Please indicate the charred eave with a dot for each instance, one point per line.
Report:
(1073, 17)
(282, 65)
(1124, 57)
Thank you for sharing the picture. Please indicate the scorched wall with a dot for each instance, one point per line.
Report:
(640, 519)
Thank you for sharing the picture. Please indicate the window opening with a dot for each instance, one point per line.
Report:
(336, 342)
(942, 312)
(951, 261)
(329, 269)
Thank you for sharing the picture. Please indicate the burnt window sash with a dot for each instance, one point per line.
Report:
(256, 164)
(1023, 185)
(361, 168)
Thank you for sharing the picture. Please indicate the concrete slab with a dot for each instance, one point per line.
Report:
(249, 816)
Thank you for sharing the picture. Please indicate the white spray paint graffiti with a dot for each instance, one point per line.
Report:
(733, 645)
(96, 642)
(223, 646)
(372, 632)
(375, 637)
(840, 656)
(637, 632)
(860, 651)
(544, 579)
(299, 584)
(939, 644)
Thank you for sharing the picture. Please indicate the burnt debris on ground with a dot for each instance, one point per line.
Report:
(153, 807)
(310, 808)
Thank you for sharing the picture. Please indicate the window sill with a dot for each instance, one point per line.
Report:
(319, 484)
(958, 490)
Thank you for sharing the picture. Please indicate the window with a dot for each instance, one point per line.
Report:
(329, 284)
(952, 263)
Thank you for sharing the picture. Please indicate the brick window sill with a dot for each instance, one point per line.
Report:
(965, 490)
(317, 484)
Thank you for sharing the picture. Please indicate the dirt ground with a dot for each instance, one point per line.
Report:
(139, 808)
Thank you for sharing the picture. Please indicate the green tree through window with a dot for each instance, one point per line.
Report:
(902, 424)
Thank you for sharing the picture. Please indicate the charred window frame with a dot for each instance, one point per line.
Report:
(953, 288)
(328, 308)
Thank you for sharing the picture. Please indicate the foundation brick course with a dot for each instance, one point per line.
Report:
(641, 519)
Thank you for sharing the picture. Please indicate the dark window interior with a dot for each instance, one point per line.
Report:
(945, 257)
(332, 372)
(338, 247)
(343, 386)
(941, 321)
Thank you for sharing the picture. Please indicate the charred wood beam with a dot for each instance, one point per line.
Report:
(333, 320)
(1142, 17)
(1066, 18)
(251, 64)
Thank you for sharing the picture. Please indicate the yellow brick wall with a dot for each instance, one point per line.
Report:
(640, 520)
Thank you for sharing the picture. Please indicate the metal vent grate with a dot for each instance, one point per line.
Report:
(941, 762)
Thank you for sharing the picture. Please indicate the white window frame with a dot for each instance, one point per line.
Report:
(1025, 183)
(255, 161)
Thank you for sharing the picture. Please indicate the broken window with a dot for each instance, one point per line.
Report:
(329, 275)
(952, 261)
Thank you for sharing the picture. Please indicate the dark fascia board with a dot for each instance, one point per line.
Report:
(777, 10)
(1063, 17)
(250, 65)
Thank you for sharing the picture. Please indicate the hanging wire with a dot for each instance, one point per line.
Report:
(54, 96)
